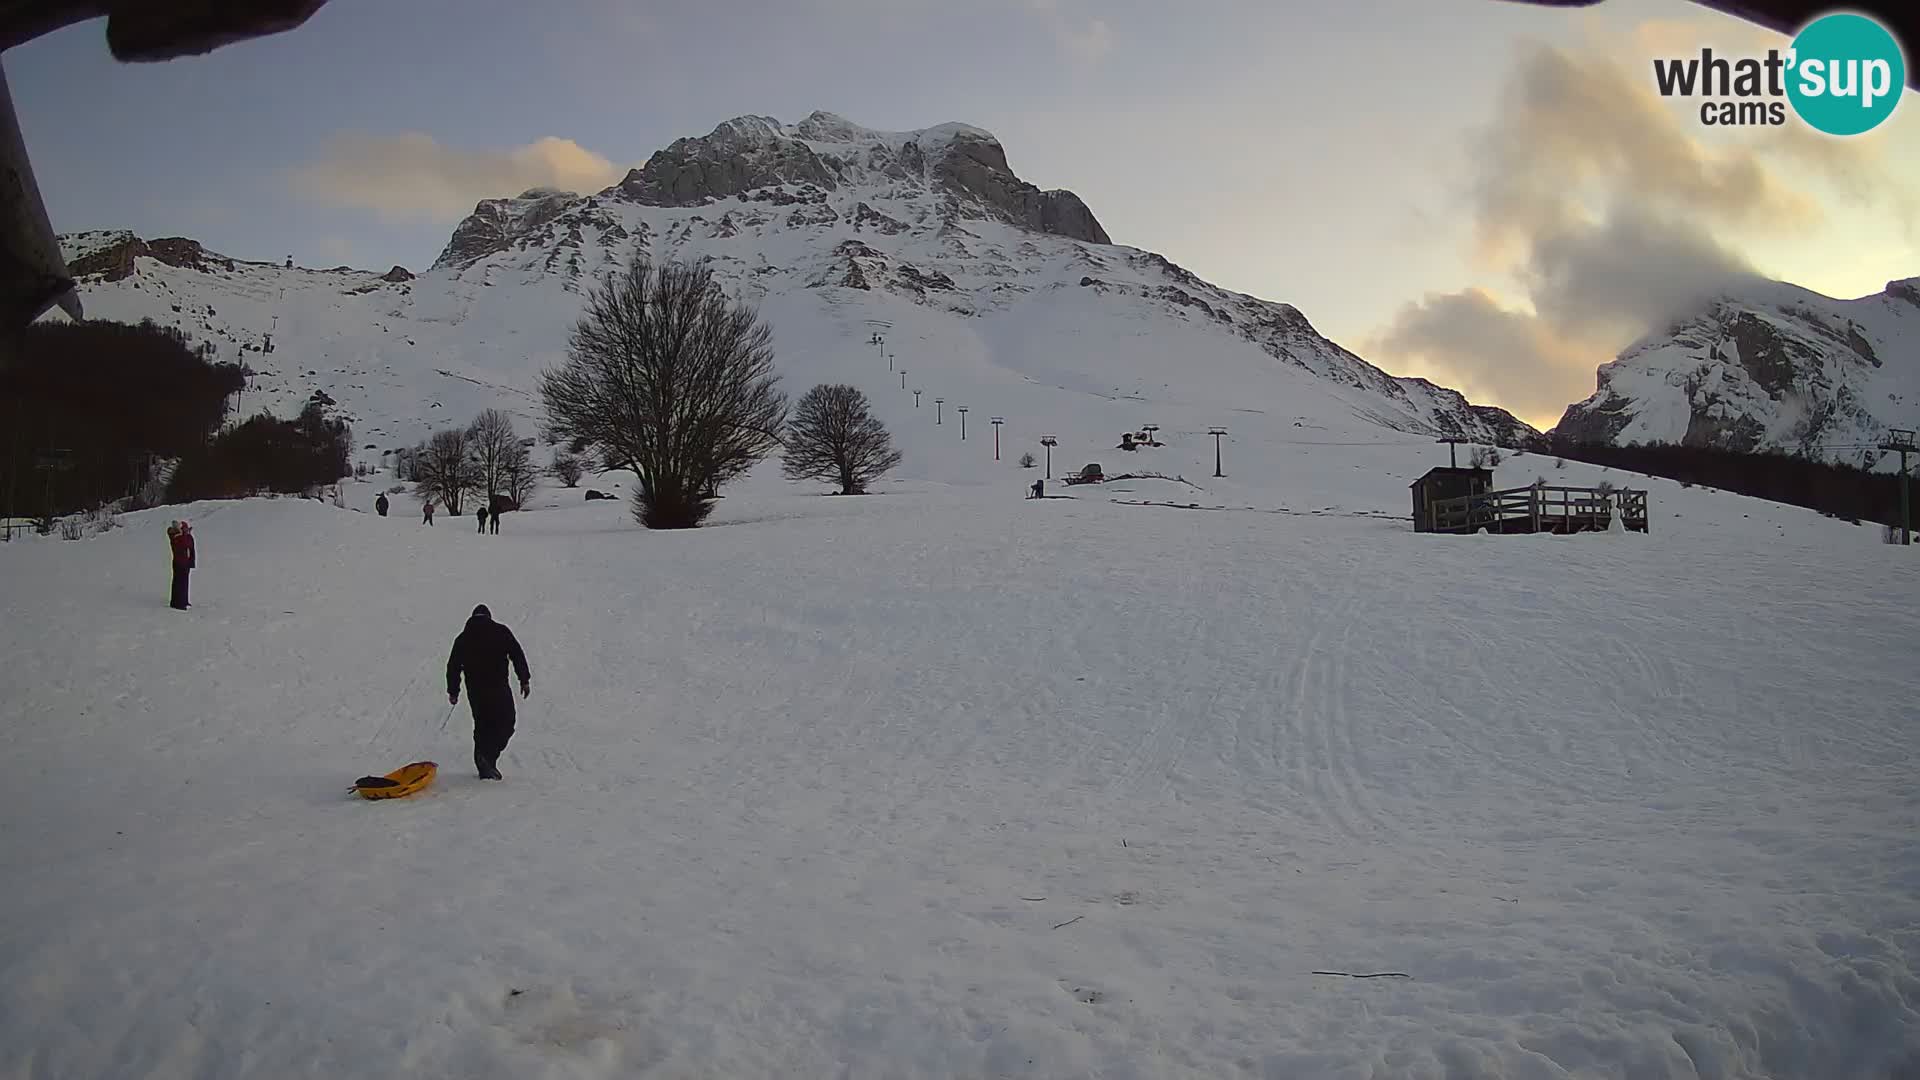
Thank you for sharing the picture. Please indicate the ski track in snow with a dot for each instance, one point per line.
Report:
(1622, 806)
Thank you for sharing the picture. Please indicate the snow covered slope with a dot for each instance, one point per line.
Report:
(1776, 367)
(991, 293)
(944, 783)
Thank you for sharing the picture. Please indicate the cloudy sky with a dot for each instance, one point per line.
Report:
(1486, 194)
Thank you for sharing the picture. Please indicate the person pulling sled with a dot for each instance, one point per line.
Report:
(482, 652)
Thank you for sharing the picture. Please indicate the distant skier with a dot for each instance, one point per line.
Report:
(180, 540)
(1037, 490)
(494, 524)
(482, 652)
(380, 504)
(482, 515)
(427, 511)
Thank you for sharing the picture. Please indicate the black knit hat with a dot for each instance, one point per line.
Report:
(482, 611)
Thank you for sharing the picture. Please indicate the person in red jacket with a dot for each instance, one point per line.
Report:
(180, 539)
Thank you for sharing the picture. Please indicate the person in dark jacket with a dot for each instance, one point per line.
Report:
(494, 526)
(427, 513)
(380, 504)
(180, 540)
(482, 515)
(482, 652)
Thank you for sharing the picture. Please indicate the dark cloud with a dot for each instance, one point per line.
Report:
(1608, 212)
(1571, 129)
(1470, 342)
(1609, 282)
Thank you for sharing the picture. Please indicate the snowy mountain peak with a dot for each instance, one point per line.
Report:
(826, 127)
(762, 128)
(1770, 366)
(496, 223)
(752, 156)
(823, 126)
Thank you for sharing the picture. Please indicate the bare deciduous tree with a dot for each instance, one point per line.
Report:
(444, 469)
(517, 475)
(834, 437)
(491, 441)
(568, 469)
(667, 378)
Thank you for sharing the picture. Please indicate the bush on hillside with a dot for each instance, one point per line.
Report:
(568, 469)
(266, 454)
(119, 398)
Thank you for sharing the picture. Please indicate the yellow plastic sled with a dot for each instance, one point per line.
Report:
(398, 784)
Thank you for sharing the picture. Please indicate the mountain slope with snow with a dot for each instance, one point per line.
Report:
(1774, 367)
(990, 292)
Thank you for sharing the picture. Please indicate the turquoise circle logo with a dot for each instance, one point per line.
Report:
(1847, 74)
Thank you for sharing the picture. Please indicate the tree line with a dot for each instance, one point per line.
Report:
(95, 408)
(485, 460)
(1842, 491)
(665, 378)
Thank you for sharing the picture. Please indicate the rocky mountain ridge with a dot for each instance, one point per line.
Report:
(1771, 366)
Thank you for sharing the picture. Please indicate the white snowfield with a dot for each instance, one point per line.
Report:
(942, 782)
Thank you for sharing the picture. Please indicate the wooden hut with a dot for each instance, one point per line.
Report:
(1445, 483)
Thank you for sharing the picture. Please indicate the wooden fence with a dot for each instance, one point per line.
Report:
(1539, 509)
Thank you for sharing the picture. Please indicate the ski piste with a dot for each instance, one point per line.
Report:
(771, 761)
